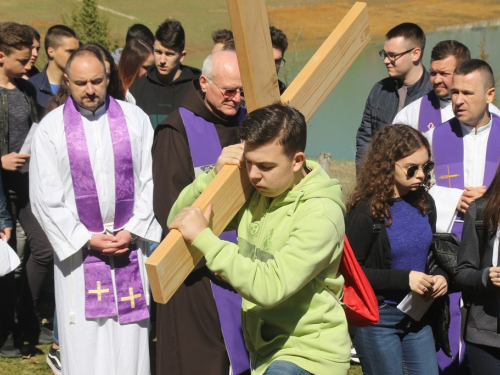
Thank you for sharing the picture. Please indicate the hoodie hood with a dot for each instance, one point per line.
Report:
(158, 99)
(317, 184)
(188, 73)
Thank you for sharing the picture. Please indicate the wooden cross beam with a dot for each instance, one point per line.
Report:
(173, 260)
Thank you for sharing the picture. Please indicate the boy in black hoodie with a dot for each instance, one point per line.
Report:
(161, 91)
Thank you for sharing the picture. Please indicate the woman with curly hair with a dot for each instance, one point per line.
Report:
(390, 222)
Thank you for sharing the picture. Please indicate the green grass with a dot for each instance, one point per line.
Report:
(27, 365)
(36, 364)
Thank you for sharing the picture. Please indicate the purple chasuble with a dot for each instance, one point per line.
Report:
(448, 150)
(100, 293)
(430, 112)
(205, 148)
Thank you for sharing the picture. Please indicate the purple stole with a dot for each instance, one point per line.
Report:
(205, 148)
(448, 149)
(99, 290)
(430, 112)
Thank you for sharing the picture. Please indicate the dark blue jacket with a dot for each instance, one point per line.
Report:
(381, 108)
(43, 90)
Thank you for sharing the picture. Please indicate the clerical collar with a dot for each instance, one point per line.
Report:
(482, 130)
(92, 115)
(443, 103)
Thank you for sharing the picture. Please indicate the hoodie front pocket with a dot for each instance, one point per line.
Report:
(253, 326)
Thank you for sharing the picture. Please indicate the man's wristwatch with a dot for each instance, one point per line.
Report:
(134, 238)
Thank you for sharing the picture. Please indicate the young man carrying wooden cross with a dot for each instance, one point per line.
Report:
(290, 240)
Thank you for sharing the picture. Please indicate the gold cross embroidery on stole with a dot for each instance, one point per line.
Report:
(99, 291)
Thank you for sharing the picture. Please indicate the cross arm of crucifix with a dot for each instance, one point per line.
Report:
(172, 261)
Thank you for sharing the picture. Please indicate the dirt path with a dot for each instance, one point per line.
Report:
(308, 26)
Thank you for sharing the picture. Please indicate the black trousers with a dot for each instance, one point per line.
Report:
(39, 264)
(482, 359)
(8, 297)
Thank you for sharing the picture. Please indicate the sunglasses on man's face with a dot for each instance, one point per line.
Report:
(412, 171)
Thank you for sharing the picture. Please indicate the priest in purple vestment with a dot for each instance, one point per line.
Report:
(466, 155)
(91, 188)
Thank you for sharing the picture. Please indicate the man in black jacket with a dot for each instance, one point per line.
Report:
(408, 80)
(161, 91)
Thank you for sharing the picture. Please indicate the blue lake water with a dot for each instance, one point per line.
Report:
(333, 127)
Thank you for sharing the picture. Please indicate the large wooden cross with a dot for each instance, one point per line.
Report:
(173, 260)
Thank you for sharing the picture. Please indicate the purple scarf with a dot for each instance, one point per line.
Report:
(430, 112)
(100, 294)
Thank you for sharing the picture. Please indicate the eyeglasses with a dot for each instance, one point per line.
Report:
(228, 93)
(393, 58)
(412, 171)
(280, 62)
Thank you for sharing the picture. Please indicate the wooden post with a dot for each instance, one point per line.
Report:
(253, 44)
(172, 261)
(324, 70)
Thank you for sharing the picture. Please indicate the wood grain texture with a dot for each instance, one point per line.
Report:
(173, 260)
(324, 70)
(255, 52)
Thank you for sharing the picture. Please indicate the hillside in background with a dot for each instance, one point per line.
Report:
(306, 22)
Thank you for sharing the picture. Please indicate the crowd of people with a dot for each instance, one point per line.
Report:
(103, 153)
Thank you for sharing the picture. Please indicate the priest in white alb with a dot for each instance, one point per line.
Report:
(91, 190)
(435, 107)
(466, 155)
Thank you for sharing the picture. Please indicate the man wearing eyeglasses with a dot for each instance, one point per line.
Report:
(280, 44)
(192, 328)
(408, 80)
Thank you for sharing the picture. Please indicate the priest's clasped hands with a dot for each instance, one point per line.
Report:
(111, 245)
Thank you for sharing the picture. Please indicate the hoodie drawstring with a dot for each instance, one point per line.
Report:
(296, 203)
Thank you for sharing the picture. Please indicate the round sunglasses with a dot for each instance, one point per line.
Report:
(412, 171)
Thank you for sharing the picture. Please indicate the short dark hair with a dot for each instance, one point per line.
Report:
(171, 35)
(278, 39)
(36, 34)
(447, 48)
(225, 37)
(55, 35)
(276, 122)
(409, 31)
(141, 32)
(476, 65)
(15, 36)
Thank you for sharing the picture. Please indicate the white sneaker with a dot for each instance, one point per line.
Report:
(354, 356)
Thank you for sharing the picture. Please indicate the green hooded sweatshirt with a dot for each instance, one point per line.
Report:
(288, 253)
